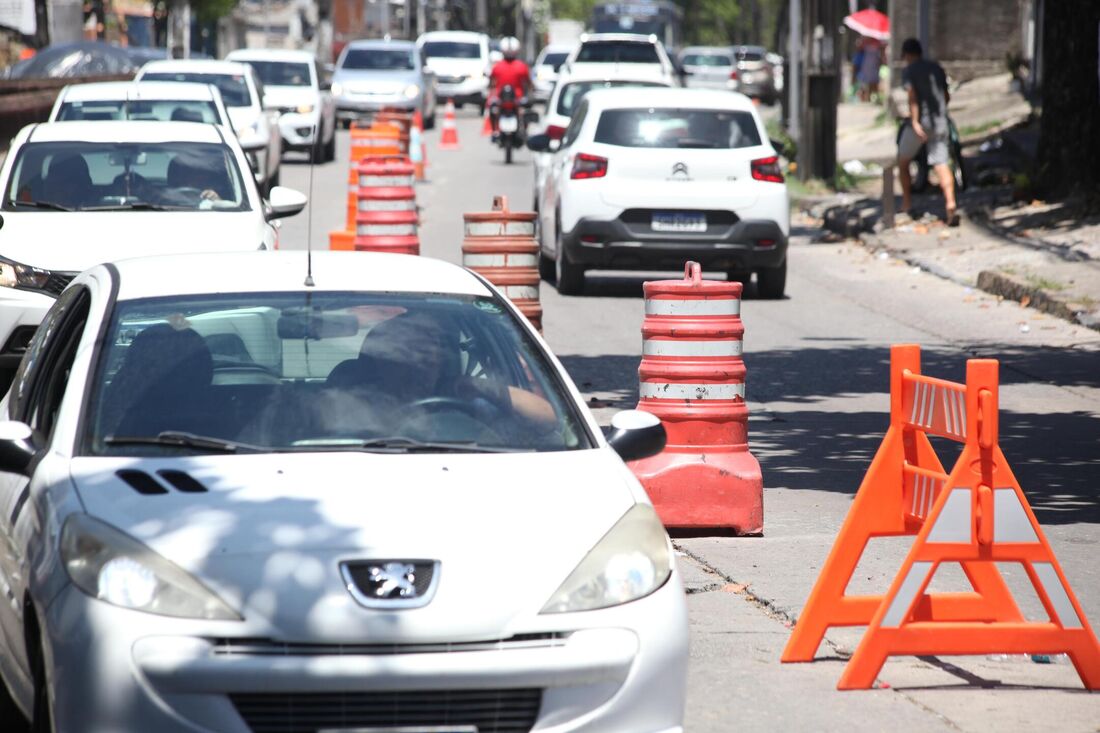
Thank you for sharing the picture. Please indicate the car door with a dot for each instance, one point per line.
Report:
(271, 120)
(34, 399)
(328, 104)
(560, 167)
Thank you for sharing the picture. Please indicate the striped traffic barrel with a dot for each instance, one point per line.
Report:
(692, 377)
(500, 245)
(386, 217)
(367, 141)
(401, 120)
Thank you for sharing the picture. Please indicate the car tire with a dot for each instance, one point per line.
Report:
(771, 282)
(568, 276)
(739, 276)
(330, 148)
(429, 122)
(41, 721)
(317, 152)
(547, 268)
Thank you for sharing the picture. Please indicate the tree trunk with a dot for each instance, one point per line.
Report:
(1069, 142)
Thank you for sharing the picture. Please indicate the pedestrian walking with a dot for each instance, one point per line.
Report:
(926, 83)
(868, 69)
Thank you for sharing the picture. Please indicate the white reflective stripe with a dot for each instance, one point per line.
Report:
(916, 402)
(376, 229)
(1056, 592)
(521, 292)
(953, 524)
(916, 494)
(670, 347)
(387, 205)
(906, 594)
(386, 181)
(922, 499)
(949, 418)
(960, 411)
(682, 391)
(502, 260)
(713, 307)
(928, 404)
(500, 228)
(1010, 522)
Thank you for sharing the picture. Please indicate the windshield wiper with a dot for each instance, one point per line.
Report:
(402, 444)
(185, 440)
(132, 206)
(39, 205)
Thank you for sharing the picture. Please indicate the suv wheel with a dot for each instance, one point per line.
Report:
(568, 275)
(772, 282)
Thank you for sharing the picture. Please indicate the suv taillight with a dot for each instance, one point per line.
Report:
(588, 166)
(733, 75)
(767, 169)
(555, 131)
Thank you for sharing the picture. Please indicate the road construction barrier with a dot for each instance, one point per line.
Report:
(386, 217)
(976, 516)
(487, 123)
(402, 121)
(448, 138)
(500, 245)
(692, 377)
(417, 149)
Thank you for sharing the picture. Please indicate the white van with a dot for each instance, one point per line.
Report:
(460, 61)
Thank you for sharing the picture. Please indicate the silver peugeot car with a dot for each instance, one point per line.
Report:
(375, 502)
(372, 75)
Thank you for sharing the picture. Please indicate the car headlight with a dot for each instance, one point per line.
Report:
(25, 277)
(305, 109)
(411, 91)
(631, 561)
(114, 567)
(337, 88)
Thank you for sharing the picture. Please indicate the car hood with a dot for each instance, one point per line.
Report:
(242, 117)
(75, 241)
(289, 96)
(270, 531)
(364, 78)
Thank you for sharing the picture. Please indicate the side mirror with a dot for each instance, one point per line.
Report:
(636, 434)
(18, 447)
(531, 116)
(539, 143)
(283, 202)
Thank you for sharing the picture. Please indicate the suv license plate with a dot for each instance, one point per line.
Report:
(680, 221)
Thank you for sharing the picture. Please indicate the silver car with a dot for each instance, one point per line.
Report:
(376, 503)
(373, 75)
(707, 67)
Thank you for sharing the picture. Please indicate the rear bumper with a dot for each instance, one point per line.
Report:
(748, 244)
(350, 108)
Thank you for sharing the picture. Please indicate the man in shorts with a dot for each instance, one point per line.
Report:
(926, 83)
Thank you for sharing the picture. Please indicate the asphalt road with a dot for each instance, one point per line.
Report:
(818, 395)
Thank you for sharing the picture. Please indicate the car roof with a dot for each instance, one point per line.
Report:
(271, 54)
(466, 36)
(285, 271)
(109, 131)
(381, 43)
(706, 49)
(634, 37)
(557, 48)
(119, 90)
(196, 66)
(611, 72)
(628, 97)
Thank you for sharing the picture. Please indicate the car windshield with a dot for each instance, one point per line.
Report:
(554, 59)
(706, 59)
(163, 110)
(281, 73)
(452, 50)
(677, 128)
(325, 371)
(77, 175)
(233, 87)
(624, 52)
(749, 54)
(572, 93)
(379, 59)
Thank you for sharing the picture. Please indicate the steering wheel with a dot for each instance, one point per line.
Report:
(440, 404)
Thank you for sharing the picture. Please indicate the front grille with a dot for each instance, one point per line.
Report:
(448, 711)
(58, 281)
(268, 647)
(359, 573)
(450, 79)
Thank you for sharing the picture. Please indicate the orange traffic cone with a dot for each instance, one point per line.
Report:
(418, 151)
(487, 126)
(449, 139)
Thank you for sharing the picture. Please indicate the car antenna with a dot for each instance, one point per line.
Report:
(309, 217)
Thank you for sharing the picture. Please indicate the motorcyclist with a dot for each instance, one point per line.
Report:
(509, 71)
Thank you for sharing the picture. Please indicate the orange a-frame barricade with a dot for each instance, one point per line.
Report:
(978, 516)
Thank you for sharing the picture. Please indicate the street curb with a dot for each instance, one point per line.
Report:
(1004, 285)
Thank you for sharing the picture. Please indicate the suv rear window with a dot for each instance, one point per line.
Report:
(451, 50)
(677, 128)
(625, 52)
(573, 92)
(706, 59)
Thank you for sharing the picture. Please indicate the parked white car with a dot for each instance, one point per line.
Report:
(295, 85)
(545, 70)
(148, 100)
(80, 193)
(650, 178)
(232, 502)
(627, 53)
(460, 62)
(243, 94)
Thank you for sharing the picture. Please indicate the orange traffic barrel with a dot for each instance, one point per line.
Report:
(500, 245)
(386, 218)
(692, 377)
(384, 139)
(403, 121)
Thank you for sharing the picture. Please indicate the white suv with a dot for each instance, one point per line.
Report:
(631, 54)
(650, 178)
(460, 61)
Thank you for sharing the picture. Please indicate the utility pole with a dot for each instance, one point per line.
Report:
(821, 20)
(421, 17)
(794, 75)
(481, 15)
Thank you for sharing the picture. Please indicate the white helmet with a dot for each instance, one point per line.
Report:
(509, 47)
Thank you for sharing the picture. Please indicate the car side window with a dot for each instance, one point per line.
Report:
(575, 124)
(259, 86)
(44, 336)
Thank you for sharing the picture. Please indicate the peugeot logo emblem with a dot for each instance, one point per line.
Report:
(680, 169)
(391, 583)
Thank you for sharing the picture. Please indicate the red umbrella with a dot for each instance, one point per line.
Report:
(871, 23)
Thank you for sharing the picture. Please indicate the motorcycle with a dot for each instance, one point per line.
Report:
(919, 176)
(512, 116)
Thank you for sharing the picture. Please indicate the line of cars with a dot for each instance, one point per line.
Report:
(633, 172)
(255, 491)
